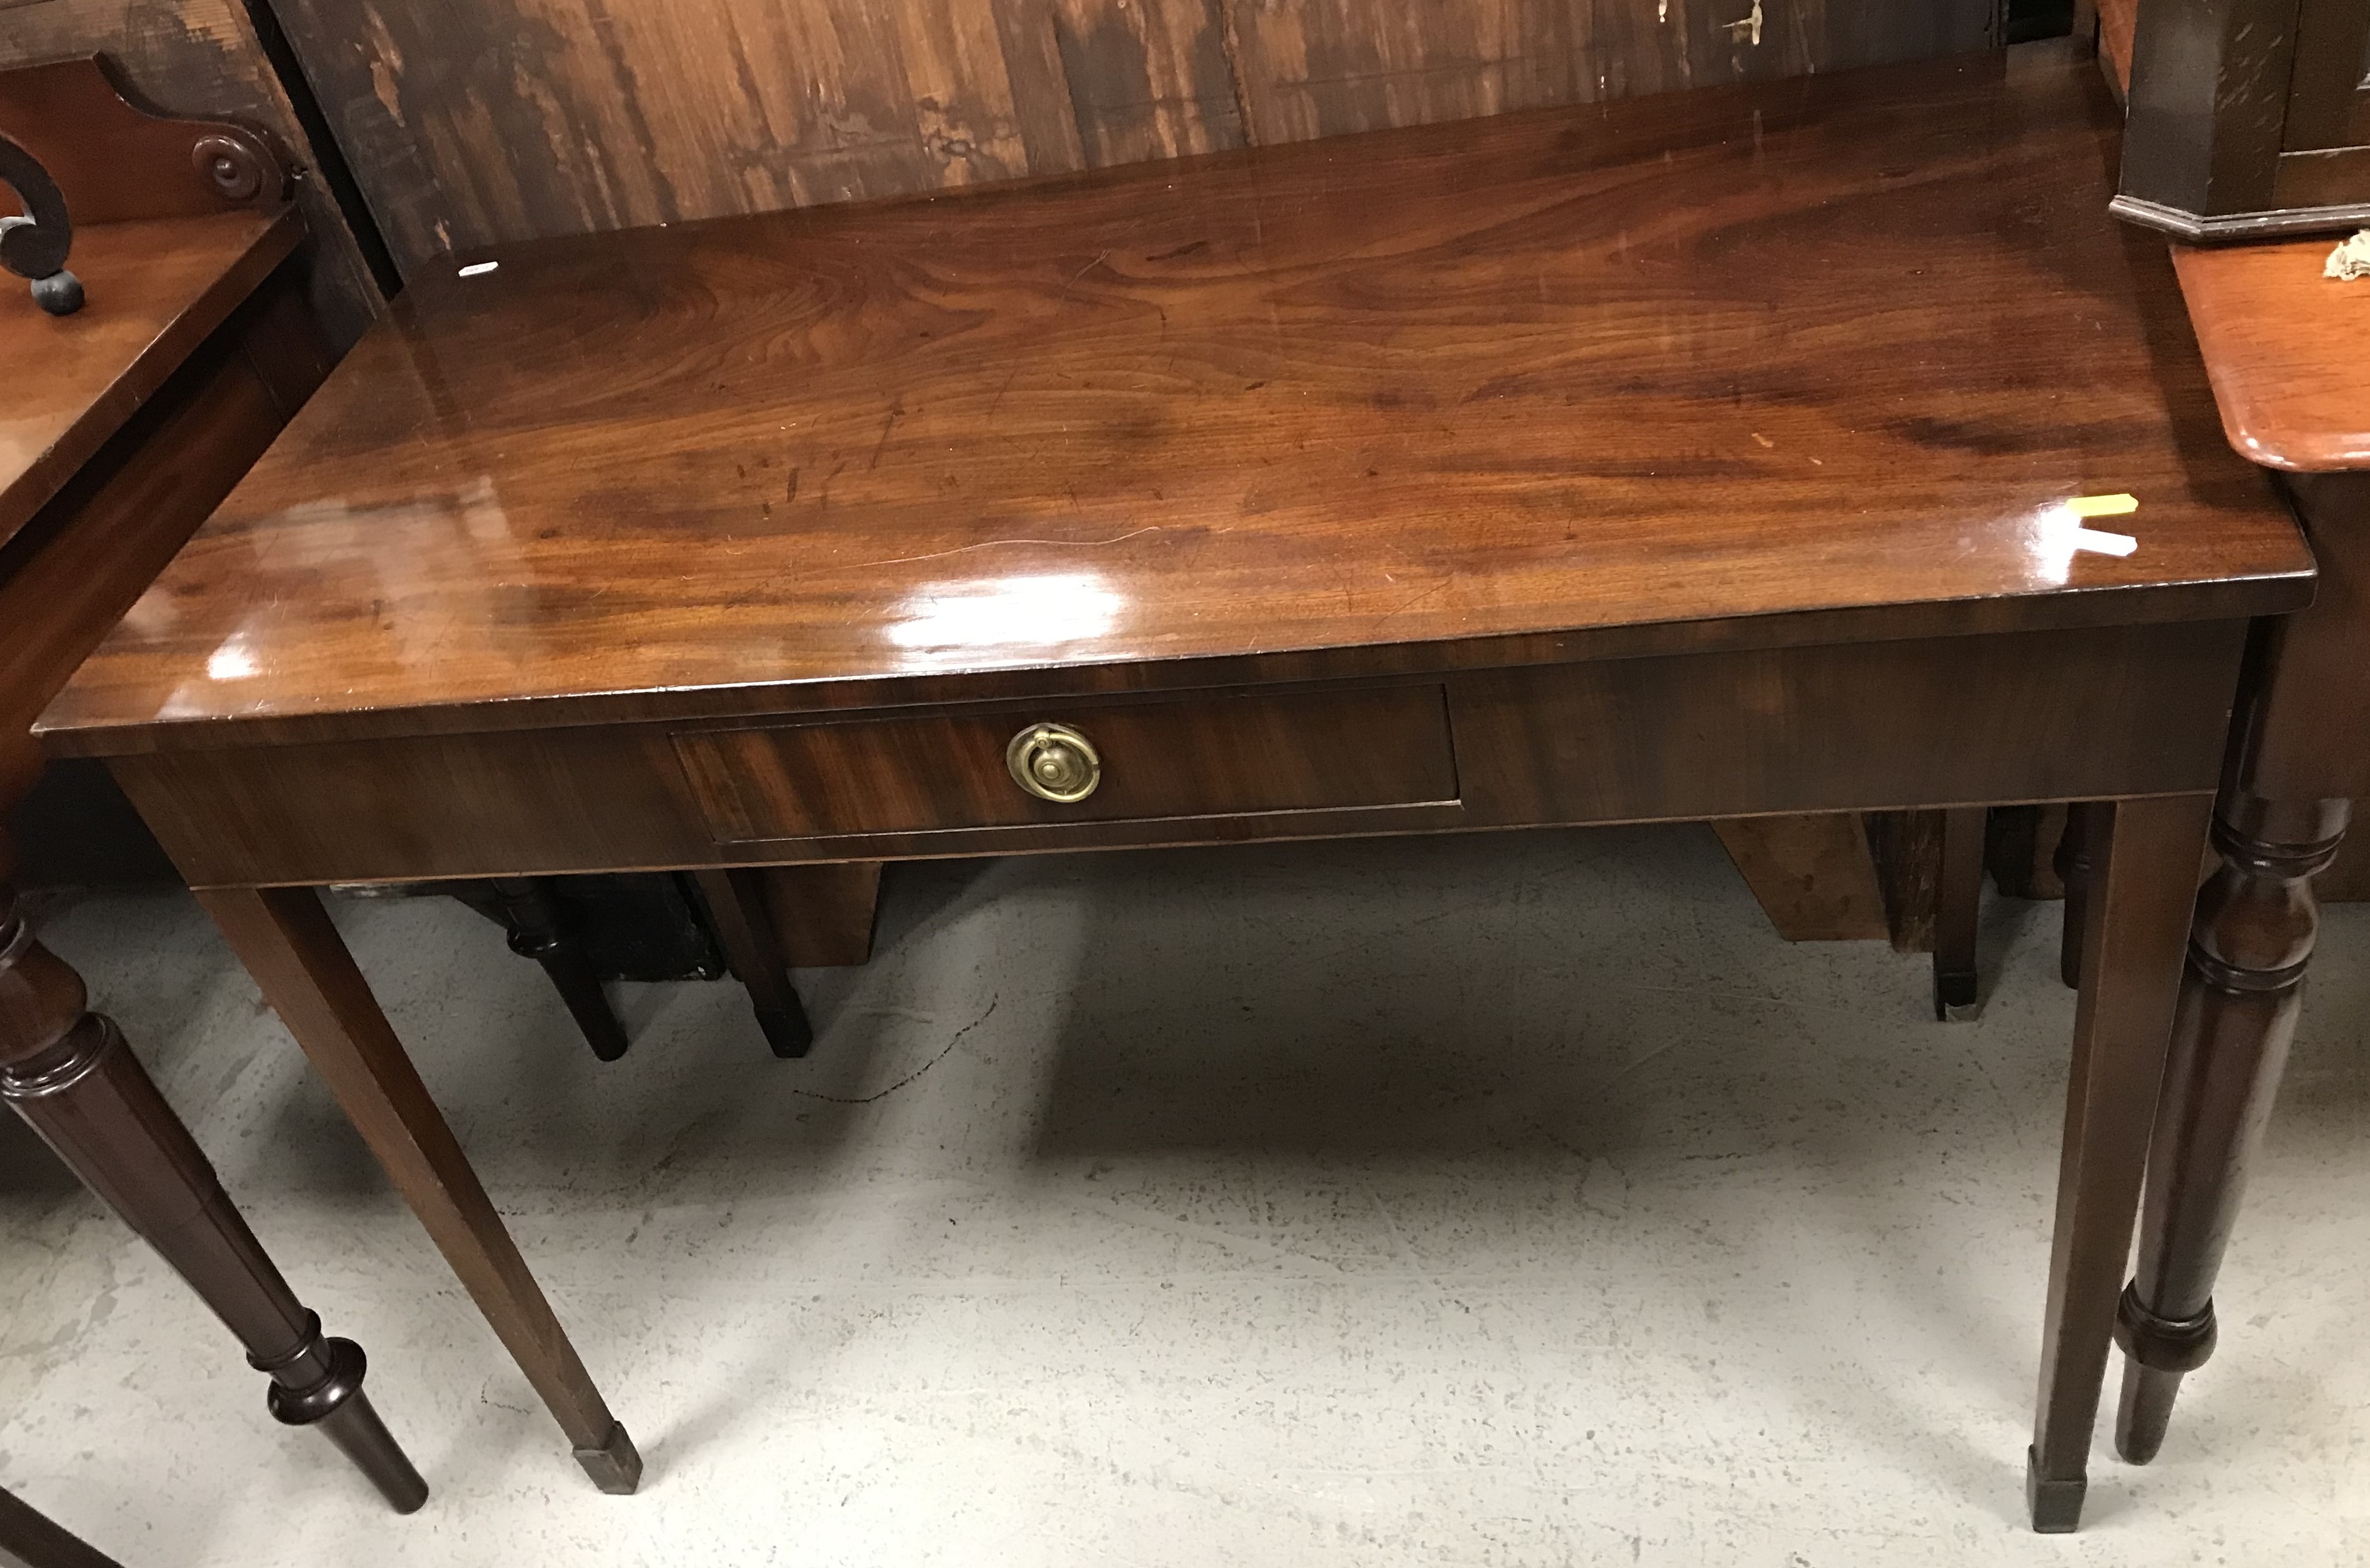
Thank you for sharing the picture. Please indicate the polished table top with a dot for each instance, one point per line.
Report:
(157, 287)
(2288, 349)
(1741, 358)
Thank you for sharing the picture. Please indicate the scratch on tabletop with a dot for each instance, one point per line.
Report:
(896, 409)
(994, 543)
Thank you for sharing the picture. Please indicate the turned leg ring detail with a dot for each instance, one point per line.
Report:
(2159, 1344)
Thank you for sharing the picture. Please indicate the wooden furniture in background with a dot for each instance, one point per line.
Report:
(1325, 489)
(122, 425)
(2289, 354)
(1812, 875)
(2248, 117)
(2116, 21)
(514, 120)
(206, 58)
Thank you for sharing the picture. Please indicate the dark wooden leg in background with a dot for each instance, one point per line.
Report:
(2256, 921)
(1907, 848)
(67, 1071)
(544, 931)
(30, 1537)
(2073, 867)
(1958, 903)
(284, 938)
(745, 928)
(824, 913)
(2135, 924)
(2021, 850)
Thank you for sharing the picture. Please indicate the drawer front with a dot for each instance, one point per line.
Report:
(1207, 755)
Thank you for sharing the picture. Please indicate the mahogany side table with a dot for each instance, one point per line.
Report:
(1714, 454)
(122, 424)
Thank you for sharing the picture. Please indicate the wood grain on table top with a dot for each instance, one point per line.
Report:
(2288, 350)
(1840, 345)
(156, 288)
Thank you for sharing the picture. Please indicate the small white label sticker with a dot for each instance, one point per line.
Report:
(2103, 542)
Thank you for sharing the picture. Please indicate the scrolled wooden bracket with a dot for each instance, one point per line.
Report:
(35, 245)
(114, 157)
(240, 166)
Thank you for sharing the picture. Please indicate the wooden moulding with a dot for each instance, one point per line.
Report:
(2249, 118)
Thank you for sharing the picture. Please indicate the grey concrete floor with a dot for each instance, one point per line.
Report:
(1494, 1201)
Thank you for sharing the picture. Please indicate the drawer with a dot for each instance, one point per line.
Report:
(1198, 756)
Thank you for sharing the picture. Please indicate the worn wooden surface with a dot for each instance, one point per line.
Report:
(201, 59)
(506, 120)
(1450, 396)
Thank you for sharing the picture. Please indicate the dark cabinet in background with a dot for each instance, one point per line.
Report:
(2249, 118)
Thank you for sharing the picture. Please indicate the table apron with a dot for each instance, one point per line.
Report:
(2084, 714)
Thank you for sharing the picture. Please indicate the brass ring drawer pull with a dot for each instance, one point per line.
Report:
(1055, 763)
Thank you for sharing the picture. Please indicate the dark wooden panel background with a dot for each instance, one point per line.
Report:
(201, 58)
(468, 121)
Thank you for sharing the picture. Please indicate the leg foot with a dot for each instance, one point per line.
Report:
(319, 1383)
(2145, 1413)
(745, 929)
(1958, 902)
(2157, 1353)
(788, 1034)
(2053, 1506)
(615, 1466)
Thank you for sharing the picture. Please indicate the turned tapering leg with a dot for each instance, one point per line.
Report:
(2135, 921)
(67, 1071)
(2254, 935)
(284, 938)
(544, 931)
